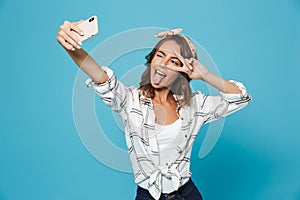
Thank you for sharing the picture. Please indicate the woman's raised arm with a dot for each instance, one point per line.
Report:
(71, 44)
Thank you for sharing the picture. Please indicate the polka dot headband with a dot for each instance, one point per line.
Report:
(175, 32)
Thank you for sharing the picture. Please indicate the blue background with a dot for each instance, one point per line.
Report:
(257, 42)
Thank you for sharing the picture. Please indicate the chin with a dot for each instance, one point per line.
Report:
(159, 86)
(156, 86)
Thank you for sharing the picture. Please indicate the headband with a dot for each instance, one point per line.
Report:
(175, 32)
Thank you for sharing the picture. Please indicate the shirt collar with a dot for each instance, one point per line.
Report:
(147, 100)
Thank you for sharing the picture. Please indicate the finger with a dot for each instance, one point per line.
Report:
(179, 57)
(185, 62)
(188, 64)
(76, 28)
(67, 27)
(177, 69)
(184, 67)
(67, 38)
(66, 45)
(73, 39)
(192, 61)
(78, 22)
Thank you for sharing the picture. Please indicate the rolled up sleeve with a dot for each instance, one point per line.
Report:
(105, 87)
(215, 107)
(112, 92)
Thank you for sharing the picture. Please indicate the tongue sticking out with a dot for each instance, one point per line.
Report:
(157, 78)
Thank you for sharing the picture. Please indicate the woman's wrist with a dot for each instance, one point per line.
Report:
(205, 75)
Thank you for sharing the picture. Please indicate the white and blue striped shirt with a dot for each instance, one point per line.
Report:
(139, 123)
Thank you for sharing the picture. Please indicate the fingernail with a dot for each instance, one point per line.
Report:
(78, 47)
(79, 42)
(81, 33)
(73, 49)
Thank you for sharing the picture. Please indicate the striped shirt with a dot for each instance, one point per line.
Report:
(168, 138)
(138, 115)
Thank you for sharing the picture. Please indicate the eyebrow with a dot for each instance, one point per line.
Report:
(161, 51)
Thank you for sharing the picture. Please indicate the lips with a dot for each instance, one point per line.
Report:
(160, 73)
(158, 76)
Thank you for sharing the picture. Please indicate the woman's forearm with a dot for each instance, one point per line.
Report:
(71, 43)
(221, 84)
(88, 65)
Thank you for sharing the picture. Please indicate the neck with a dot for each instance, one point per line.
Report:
(161, 95)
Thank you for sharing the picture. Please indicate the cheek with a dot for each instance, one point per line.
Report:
(154, 61)
(151, 68)
(173, 76)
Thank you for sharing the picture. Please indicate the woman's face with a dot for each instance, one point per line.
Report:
(161, 75)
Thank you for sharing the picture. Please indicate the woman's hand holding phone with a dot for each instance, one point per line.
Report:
(72, 34)
(66, 36)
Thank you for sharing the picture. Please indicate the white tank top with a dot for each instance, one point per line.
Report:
(168, 139)
(167, 134)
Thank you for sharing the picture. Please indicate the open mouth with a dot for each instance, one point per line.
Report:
(158, 76)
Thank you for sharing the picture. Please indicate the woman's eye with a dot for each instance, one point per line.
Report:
(159, 55)
(175, 62)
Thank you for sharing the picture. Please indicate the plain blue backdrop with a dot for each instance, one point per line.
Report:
(256, 42)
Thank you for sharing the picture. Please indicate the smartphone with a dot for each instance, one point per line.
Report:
(89, 28)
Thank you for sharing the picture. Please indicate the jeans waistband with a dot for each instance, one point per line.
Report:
(179, 191)
(174, 193)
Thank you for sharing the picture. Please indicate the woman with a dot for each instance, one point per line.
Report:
(162, 117)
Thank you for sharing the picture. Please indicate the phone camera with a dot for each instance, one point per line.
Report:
(92, 19)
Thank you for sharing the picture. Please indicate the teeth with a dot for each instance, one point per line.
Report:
(160, 73)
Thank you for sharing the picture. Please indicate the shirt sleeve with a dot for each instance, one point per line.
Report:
(215, 107)
(112, 92)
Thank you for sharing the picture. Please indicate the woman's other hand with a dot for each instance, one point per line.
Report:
(192, 67)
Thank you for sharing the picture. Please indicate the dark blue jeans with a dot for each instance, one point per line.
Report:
(188, 191)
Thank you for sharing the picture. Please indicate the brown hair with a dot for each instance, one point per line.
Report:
(181, 85)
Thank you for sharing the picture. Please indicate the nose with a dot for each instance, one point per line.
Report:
(163, 66)
(163, 63)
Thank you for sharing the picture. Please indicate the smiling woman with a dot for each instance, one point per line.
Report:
(163, 59)
(163, 116)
